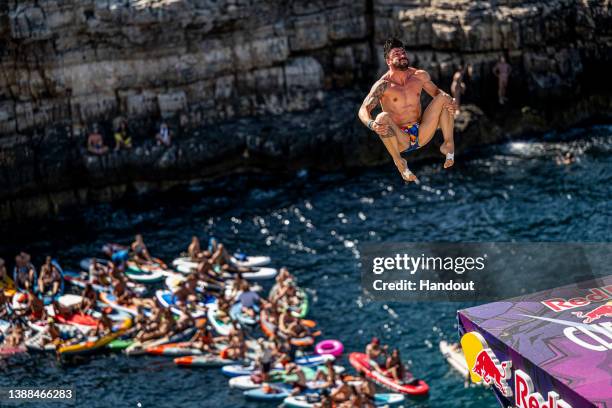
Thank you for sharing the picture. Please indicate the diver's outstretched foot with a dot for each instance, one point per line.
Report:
(450, 160)
(409, 176)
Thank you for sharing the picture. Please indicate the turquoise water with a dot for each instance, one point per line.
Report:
(313, 224)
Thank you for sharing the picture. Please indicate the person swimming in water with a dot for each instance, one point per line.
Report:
(565, 159)
(402, 126)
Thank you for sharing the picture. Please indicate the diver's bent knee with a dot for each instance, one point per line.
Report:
(444, 96)
(383, 117)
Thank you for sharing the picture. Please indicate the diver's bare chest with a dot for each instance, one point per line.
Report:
(406, 93)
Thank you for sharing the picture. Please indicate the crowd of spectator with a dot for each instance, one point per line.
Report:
(123, 138)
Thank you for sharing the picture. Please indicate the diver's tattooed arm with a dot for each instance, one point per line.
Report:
(390, 133)
(373, 99)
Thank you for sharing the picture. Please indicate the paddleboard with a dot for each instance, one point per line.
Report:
(207, 360)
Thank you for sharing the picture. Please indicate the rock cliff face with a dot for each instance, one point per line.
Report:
(214, 60)
(265, 84)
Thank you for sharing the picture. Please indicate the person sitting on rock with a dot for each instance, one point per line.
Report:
(502, 71)
(164, 137)
(95, 142)
(402, 125)
(122, 139)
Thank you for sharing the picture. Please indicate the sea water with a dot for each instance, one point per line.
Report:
(313, 223)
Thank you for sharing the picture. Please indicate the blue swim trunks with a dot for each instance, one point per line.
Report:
(413, 134)
(119, 257)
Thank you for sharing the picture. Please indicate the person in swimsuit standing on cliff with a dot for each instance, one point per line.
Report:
(502, 71)
(401, 125)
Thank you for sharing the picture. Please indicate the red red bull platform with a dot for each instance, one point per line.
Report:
(550, 349)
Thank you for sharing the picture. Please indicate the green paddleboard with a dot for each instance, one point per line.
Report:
(309, 373)
(119, 344)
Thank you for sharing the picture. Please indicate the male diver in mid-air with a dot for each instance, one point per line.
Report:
(400, 125)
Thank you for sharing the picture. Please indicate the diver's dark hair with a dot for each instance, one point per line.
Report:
(390, 44)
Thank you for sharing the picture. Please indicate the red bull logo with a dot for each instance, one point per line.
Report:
(595, 314)
(488, 367)
(484, 365)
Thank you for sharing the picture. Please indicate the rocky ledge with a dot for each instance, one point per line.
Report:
(264, 85)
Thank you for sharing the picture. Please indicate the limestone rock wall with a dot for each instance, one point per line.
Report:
(546, 42)
(264, 83)
(84, 60)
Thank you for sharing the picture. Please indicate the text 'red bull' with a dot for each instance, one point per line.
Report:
(488, 367)
(525, 397)
(593, 295)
